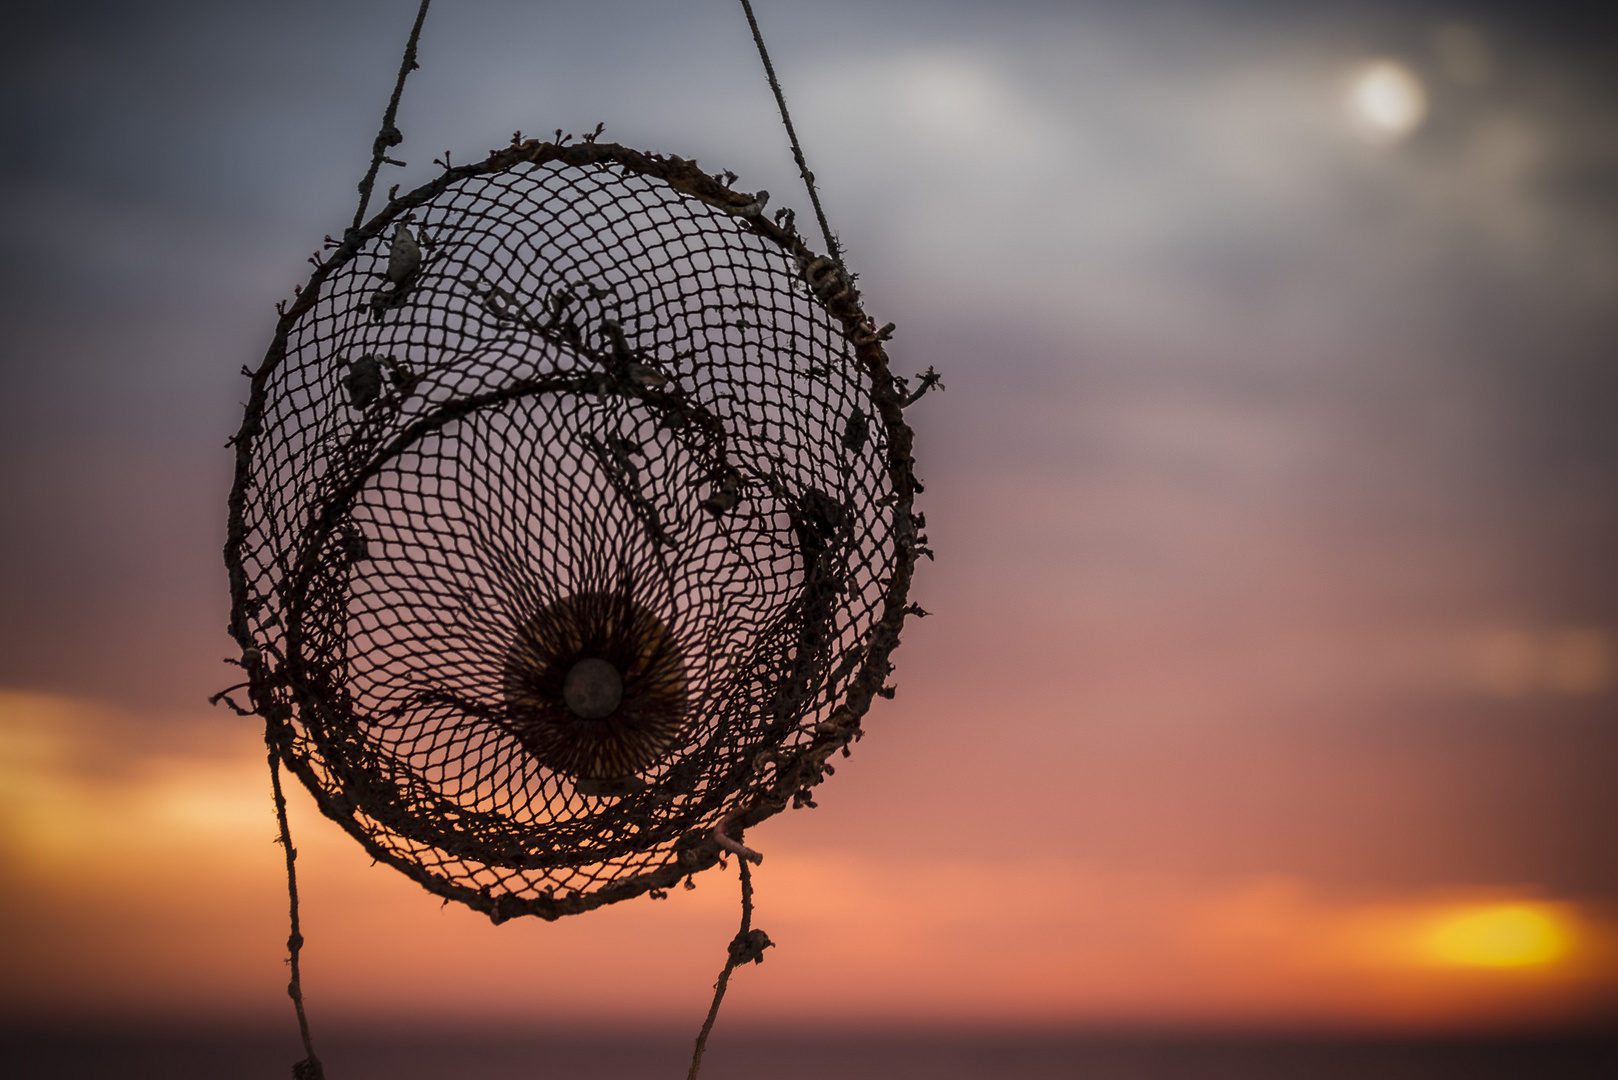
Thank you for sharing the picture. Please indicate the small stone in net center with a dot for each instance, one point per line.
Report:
(593, 689)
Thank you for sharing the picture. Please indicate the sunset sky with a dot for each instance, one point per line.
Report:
(1272, 680)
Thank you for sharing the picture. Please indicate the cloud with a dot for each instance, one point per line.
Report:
(1103, 172)
(151, 887)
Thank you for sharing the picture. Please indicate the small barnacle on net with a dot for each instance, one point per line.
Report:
(856, 430)
(727, 489)
(404, 256)
(363, 381)
(402, 267)
(541, 557)
(645, 375)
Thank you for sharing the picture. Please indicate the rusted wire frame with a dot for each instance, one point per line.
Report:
(309, 1068)
(390, 136)
(826, 234)
(796, 773)
(732, 960)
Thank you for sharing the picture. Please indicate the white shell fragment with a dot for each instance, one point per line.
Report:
(404, 255)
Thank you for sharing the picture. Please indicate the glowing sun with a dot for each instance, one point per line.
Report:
(1500, 936)
(1386, 100)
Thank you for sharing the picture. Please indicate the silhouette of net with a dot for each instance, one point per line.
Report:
(572, 520)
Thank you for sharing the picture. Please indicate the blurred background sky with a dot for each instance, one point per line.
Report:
(1273, 675)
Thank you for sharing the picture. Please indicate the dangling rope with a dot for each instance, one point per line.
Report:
(748, 944)
(390, 136)
(309, 1068)
(832, 247)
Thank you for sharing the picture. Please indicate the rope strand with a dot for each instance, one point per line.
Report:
(832, 247)
(309, 1068)
(748, 944)
(390, 136)
(738, 953)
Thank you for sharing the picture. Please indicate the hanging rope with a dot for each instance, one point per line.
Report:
(832, 248)
(390, 136)
(748, 944)
(309, 1068)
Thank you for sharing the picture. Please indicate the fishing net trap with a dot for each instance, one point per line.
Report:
(572, 526)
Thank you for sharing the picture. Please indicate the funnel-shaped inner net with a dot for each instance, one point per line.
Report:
(572, 519)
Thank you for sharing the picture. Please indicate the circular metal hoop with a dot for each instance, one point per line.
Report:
(571, 526)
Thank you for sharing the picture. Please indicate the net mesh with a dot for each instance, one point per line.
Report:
(572, 524)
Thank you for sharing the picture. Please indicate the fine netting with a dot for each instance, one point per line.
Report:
(572, 520)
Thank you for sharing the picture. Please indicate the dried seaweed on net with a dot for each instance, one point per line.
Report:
(572, 526)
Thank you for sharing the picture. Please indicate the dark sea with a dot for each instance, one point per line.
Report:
(67, 1055)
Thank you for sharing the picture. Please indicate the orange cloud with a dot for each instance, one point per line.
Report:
(148, 882)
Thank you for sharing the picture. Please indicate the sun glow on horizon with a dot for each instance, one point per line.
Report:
(125, 861)
(1501, 936)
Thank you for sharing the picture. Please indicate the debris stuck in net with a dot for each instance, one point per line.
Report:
(572, 521)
